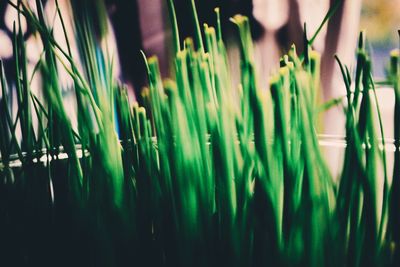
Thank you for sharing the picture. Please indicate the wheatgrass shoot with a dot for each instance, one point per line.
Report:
(206, 174)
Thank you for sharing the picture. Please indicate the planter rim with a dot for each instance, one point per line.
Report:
(324, 140)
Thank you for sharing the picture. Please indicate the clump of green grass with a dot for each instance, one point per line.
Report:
(205, 176)
(362, 221)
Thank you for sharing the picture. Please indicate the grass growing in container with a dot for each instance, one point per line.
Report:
(205, 176)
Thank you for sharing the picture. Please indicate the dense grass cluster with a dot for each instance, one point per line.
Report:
(208, 174)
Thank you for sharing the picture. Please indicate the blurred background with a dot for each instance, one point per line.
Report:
(144, 25)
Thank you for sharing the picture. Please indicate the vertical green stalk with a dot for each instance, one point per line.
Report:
(394, 219)
(174, 24)
(198, 34)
